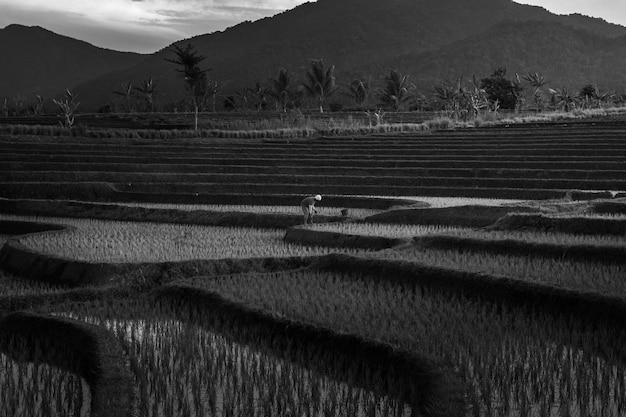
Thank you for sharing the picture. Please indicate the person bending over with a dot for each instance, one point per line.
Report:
(308, 208)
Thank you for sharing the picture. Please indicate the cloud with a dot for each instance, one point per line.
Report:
(140, 25)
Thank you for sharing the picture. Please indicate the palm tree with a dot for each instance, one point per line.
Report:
(397, 89)
(358, 91)
(148, 89)
(564, 98)
(451, 93)
(603, 97)
(195, 78)
(127, 93)
(241, 98)
(280, 89)
(321, 82)
(536, 81)
(259, 93)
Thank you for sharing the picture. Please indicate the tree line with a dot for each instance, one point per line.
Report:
(461, 98)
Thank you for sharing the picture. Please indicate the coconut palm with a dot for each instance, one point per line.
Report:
(195, 77)
(536, 81)
(397, 90)
(564, 98)
(321, 82)
(280, 89)
(259, 94)
(359, 91)
(451, 94)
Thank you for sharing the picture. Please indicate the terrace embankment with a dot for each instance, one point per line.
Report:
(20, 260)
(345, 357)
(590, 306)
(520, 163)
(462, 216)
(79, 209)
(562, 224)
(87, 350)
(595, 253)
(307, 236)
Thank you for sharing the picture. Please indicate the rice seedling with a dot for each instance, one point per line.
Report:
(383, 229)
(604, 278)
(183, 369)
(440, 202)
(514, 362)
(407, 231)
(36, 389)
(112, 241)
(11, 285)
(295, 209)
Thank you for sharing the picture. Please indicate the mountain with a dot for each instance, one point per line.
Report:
(423, 38)
(565, 55)
(38, 61)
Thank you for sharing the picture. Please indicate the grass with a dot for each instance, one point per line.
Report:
(129, 242)
(298, 125)
(512, 361)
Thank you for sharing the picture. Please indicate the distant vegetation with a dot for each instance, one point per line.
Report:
(365, 43)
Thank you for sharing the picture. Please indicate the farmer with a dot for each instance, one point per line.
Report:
(308, 207)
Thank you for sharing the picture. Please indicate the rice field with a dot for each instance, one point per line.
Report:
(11, 285)
(184, 369)
(513, 363)
(36, 389)
(441, 202)
(409, 231)
(580, 275)
(131, 242)
(260, 209)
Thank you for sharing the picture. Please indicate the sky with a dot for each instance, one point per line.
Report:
(147, 26)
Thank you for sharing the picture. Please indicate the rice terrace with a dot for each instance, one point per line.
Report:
(476, 271)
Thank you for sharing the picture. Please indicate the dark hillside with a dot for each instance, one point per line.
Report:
(37, 61)
(358, 36)
(564, 55)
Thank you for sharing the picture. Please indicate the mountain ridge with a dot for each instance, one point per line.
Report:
(49, 63)
(367, 37)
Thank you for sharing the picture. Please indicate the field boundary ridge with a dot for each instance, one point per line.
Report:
(90, 351)
(304, 235)
(414, 380)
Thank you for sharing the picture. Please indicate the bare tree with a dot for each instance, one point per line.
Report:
(68, 107)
